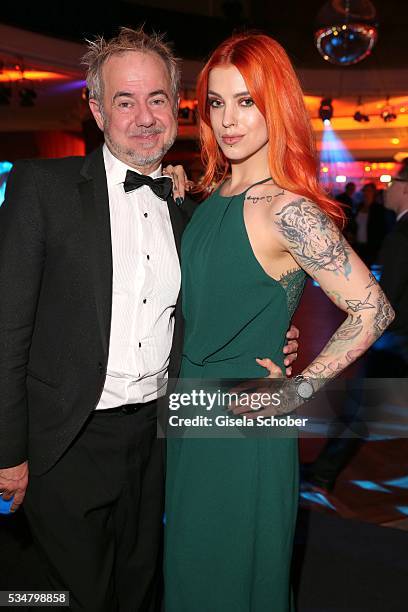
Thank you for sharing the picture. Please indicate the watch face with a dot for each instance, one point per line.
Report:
(305, 389)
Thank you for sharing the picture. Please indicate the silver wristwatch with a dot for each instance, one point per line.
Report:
(304, 387)
(294, 392)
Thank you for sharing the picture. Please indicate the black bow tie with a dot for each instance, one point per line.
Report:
(161, 186)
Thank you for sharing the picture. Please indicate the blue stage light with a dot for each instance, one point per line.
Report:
(369, 485)
(5, 167)
(317, 498)
(333, 148)
(326, 110)
(401, 483)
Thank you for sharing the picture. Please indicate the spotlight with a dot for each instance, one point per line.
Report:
(5, 95)
(27, 96)
(326, 110)
(388, 115)
(361, 117)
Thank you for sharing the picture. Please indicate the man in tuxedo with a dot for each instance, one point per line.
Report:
(371, 224)
(90, 329)
(394, 278)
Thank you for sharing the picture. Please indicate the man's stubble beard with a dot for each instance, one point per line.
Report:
(136, 158)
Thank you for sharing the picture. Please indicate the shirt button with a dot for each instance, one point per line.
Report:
(148, 256)
(145, 214)
(140, 344)
(144, 301)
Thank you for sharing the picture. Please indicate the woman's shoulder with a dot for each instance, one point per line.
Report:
(279, 200)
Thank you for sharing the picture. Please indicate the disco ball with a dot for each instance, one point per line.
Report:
(347, 31)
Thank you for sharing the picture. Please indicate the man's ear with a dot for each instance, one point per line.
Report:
(96, 111)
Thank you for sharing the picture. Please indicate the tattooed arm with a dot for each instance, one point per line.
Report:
(320, 249)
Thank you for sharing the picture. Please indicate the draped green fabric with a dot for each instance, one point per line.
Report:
(231, 504)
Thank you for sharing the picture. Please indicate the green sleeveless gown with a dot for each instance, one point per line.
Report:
(231, 504)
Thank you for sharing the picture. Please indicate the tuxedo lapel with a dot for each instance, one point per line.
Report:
(404, 218)
(177, 222)
(93, 191)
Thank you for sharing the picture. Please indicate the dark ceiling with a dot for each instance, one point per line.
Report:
(291, 22)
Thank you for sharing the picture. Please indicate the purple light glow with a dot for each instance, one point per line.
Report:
(66, 87)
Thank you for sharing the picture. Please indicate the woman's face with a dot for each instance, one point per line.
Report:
(239, 127)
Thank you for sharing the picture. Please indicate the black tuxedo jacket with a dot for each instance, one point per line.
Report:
(394, 278)
(55, 305)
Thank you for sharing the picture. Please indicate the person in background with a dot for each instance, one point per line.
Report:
(346, 199)
(370, 224)
(388, 357)
(347, 196)
(393, 259)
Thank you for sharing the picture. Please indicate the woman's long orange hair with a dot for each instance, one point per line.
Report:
(275, 89)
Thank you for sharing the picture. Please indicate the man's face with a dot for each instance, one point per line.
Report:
(396, 195)
(138, 112)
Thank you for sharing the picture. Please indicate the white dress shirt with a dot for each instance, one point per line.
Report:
(146, 283)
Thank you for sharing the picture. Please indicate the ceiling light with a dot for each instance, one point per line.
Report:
(326, 110)
(361, 117)
(388, 115)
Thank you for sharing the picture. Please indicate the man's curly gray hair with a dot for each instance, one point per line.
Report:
(100, 50)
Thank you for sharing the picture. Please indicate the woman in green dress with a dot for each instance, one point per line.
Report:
(231, 503)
